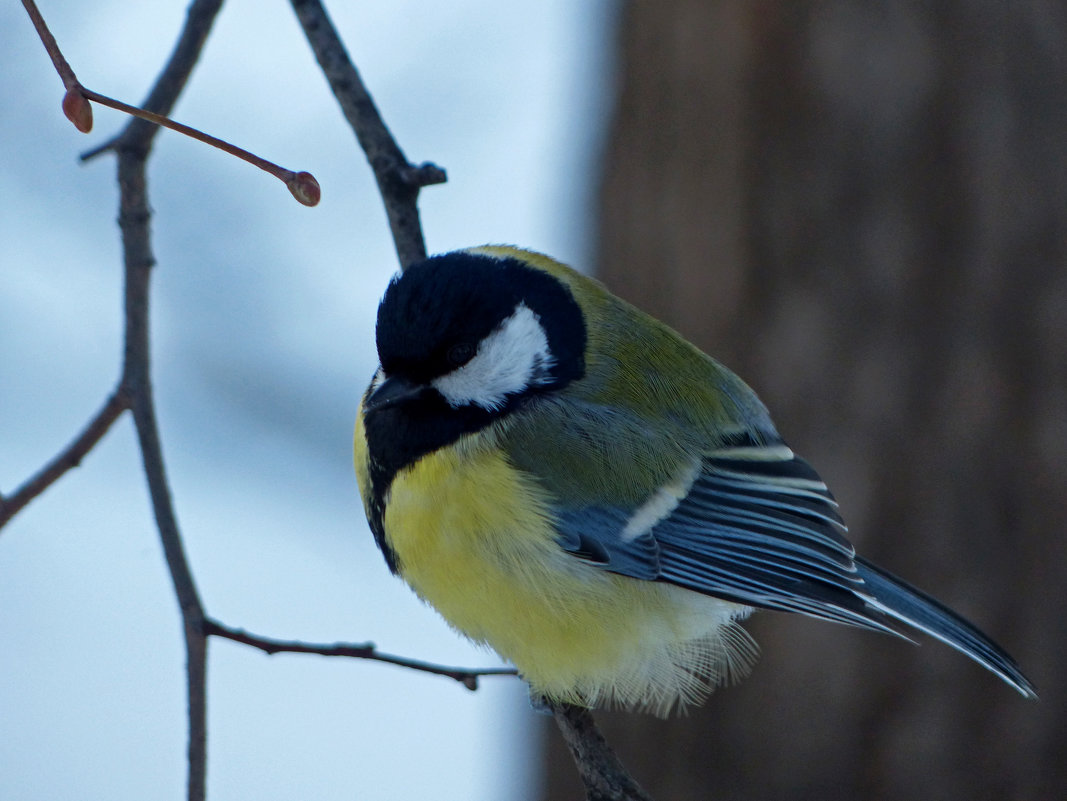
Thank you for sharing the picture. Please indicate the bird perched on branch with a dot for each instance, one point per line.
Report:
(569, 481)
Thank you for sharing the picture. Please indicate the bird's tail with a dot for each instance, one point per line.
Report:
(900, 600)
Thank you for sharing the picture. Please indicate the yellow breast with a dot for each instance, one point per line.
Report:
(474, 538)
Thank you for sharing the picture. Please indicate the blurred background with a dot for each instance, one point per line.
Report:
(860, 207)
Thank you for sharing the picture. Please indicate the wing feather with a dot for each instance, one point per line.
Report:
(757, 525)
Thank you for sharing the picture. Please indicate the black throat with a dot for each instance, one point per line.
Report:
(398, 436)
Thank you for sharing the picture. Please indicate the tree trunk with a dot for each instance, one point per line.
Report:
(861, 208)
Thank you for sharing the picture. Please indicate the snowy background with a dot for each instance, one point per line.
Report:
(263, 341)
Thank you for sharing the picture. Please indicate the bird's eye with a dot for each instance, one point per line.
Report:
(459, 355)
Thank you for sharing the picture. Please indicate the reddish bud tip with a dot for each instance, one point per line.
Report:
(305, 188)
(78, 109)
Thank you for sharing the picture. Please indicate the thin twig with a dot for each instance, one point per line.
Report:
(66, 74)
(603, 774)
(67, 458)
(468, 677)
(302, 185)
(398, 181)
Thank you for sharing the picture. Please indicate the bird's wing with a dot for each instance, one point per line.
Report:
(755, 524)
(749, 522)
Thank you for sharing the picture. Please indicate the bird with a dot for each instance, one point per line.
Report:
(571, 483)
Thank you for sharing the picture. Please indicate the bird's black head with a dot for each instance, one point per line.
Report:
(463, 339)
(479, 331)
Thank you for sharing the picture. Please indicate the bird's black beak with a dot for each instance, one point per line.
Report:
(391, 392)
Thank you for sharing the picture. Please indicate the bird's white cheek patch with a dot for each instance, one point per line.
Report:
(660, 504)
(510, 360)
(377, 381)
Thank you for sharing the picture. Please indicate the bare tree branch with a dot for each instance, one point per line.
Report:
(133, 147)
(68, 458)
(398, 181)
(468, 677)
(302, 185)
(603, 774)
(66, 73)
(78, 109)
(175, 74)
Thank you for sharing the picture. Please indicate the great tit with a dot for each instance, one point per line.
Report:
(570, 482)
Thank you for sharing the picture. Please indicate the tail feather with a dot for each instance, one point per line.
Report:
(900, 600)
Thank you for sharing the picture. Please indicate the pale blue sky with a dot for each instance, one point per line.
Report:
(263, 334)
